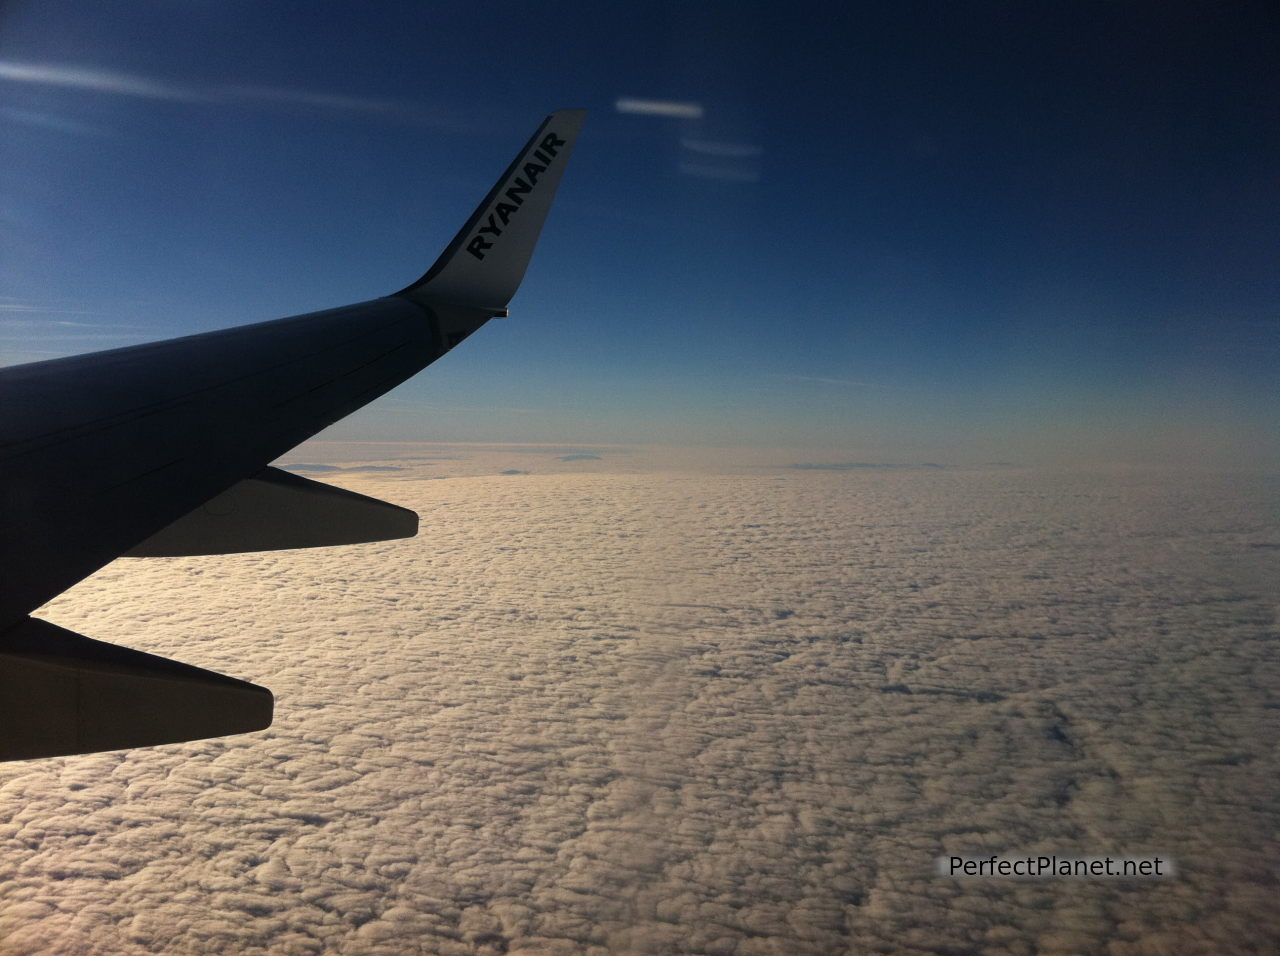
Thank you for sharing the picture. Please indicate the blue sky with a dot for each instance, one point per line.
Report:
(944, 232)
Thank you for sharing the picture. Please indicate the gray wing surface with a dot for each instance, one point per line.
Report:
(163, 449)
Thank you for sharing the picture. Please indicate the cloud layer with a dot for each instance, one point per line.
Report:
(682, 712)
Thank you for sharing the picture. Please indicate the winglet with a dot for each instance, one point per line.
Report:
(484, 264)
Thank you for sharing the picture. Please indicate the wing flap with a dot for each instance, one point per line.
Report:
(63, 693)
(275, 510)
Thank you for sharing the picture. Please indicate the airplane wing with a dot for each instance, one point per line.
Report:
(163, 449)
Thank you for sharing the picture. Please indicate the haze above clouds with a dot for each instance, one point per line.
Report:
(617, 705)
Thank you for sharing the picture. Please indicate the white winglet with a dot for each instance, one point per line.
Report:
(484, 264)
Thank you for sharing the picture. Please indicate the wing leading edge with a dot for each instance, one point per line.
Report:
(164, 449)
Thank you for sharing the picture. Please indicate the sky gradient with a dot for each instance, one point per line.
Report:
(987, 232)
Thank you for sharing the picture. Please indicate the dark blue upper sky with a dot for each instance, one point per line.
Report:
(948, 231)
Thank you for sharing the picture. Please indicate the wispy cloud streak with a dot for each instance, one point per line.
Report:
(117, 83)
(98, 81)
(669, 108)
(725, 173)
(325, 101)
(43, 119)
(721, 150)
(822, 380)
(8, 309)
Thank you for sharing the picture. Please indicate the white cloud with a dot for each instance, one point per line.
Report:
(679, 711)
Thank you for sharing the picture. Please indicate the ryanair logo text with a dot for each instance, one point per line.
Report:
(513, 197)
